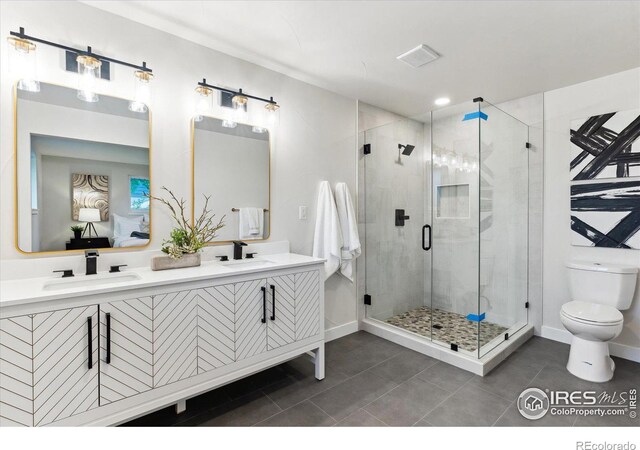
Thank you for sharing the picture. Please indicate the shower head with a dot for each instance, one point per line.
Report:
(407, 149)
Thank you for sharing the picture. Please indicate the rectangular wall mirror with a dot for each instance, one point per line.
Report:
(231, 163)
(82, 165)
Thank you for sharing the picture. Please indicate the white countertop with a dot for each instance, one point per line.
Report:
(23, 291)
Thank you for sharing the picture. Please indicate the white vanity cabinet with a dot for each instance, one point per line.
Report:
(126, 348)
(114, 356)
(48, 366)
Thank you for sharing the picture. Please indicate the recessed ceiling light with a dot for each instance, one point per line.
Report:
(442, 101)
(419, 56)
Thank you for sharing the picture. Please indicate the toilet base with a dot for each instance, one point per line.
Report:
(590, 360)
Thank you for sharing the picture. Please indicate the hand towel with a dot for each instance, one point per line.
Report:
(327, 239)
(251, 223)
(351, 248)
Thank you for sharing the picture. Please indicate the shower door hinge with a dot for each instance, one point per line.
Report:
(506, 336)
(526, 305)
(367, 299)
(367, 149)
(454, 347)
(528, 144)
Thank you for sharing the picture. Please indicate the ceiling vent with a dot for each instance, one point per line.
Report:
(419, 56)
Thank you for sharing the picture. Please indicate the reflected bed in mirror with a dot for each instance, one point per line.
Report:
(82, 165)
(231, 163)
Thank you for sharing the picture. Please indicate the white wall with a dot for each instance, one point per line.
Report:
(616, 92)
(315, 139)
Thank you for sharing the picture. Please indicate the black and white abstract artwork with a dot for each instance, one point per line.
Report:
(606, 214)
(606, 146)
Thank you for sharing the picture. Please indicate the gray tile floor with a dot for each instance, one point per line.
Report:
(373, 382)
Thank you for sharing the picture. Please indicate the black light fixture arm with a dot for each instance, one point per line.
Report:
(204, 83)
(88, 52)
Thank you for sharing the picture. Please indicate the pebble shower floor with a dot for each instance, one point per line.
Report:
(448, 327)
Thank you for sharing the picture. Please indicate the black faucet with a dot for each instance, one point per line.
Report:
(91, 257)
(237, 249)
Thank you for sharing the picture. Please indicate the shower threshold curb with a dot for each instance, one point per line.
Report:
(478, 366)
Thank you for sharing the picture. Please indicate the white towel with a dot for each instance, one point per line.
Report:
(327, 239)
(251, 223)
(351, 248)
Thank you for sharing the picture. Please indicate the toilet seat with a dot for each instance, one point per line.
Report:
(592, 313)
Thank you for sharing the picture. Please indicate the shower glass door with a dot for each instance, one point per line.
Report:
(394, 206)
(455, 214)
(504, 219)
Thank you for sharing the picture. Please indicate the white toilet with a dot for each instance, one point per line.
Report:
(599, 292)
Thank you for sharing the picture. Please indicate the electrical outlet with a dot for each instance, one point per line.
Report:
(302, 213)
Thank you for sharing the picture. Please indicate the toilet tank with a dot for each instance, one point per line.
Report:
(606, 284)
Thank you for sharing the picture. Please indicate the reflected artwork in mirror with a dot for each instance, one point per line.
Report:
(231, 163)
(82, 165)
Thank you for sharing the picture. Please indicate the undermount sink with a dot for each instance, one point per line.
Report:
(251, 263)
(88, 280)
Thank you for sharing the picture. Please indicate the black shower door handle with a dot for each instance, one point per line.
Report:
(424, 244)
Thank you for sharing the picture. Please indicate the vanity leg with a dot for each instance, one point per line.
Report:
(319, 361)
(181, 406)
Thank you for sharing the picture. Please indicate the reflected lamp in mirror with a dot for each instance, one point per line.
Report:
(232, 165)
(90, 216)
(72, 155)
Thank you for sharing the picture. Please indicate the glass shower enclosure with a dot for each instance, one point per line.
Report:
(446, 226)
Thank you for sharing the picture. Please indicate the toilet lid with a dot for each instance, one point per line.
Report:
(592, 312)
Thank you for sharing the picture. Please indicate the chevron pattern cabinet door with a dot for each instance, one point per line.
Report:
(130, 369)
(16, 370)
(175, 337)
(251, 333)
(63, 383)
(216, 327)
(281, 330)
(307, 304)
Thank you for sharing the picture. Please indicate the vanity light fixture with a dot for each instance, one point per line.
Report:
(22, 62)
(89, 64)
(240, 99)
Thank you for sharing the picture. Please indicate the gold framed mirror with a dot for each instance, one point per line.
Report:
(231, 162)
(80, 164)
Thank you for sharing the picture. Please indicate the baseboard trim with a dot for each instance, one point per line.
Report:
(615, 349)
(340, 331)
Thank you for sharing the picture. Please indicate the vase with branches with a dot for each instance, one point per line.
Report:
(187, 236)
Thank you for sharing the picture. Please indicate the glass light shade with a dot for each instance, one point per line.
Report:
(229, 123)
(22, 63)
(88, 76)
(203, 102)
(273, 113)
(239, 99)
(89, 215)
(258, 130)
(142, 91)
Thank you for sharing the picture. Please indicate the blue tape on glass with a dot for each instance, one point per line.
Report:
(475, 115)
(475, 317)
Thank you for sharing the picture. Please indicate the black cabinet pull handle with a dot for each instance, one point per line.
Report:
(90, 346)
(273, 302)
(108, 358)
(424, 245)
(264, 304)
